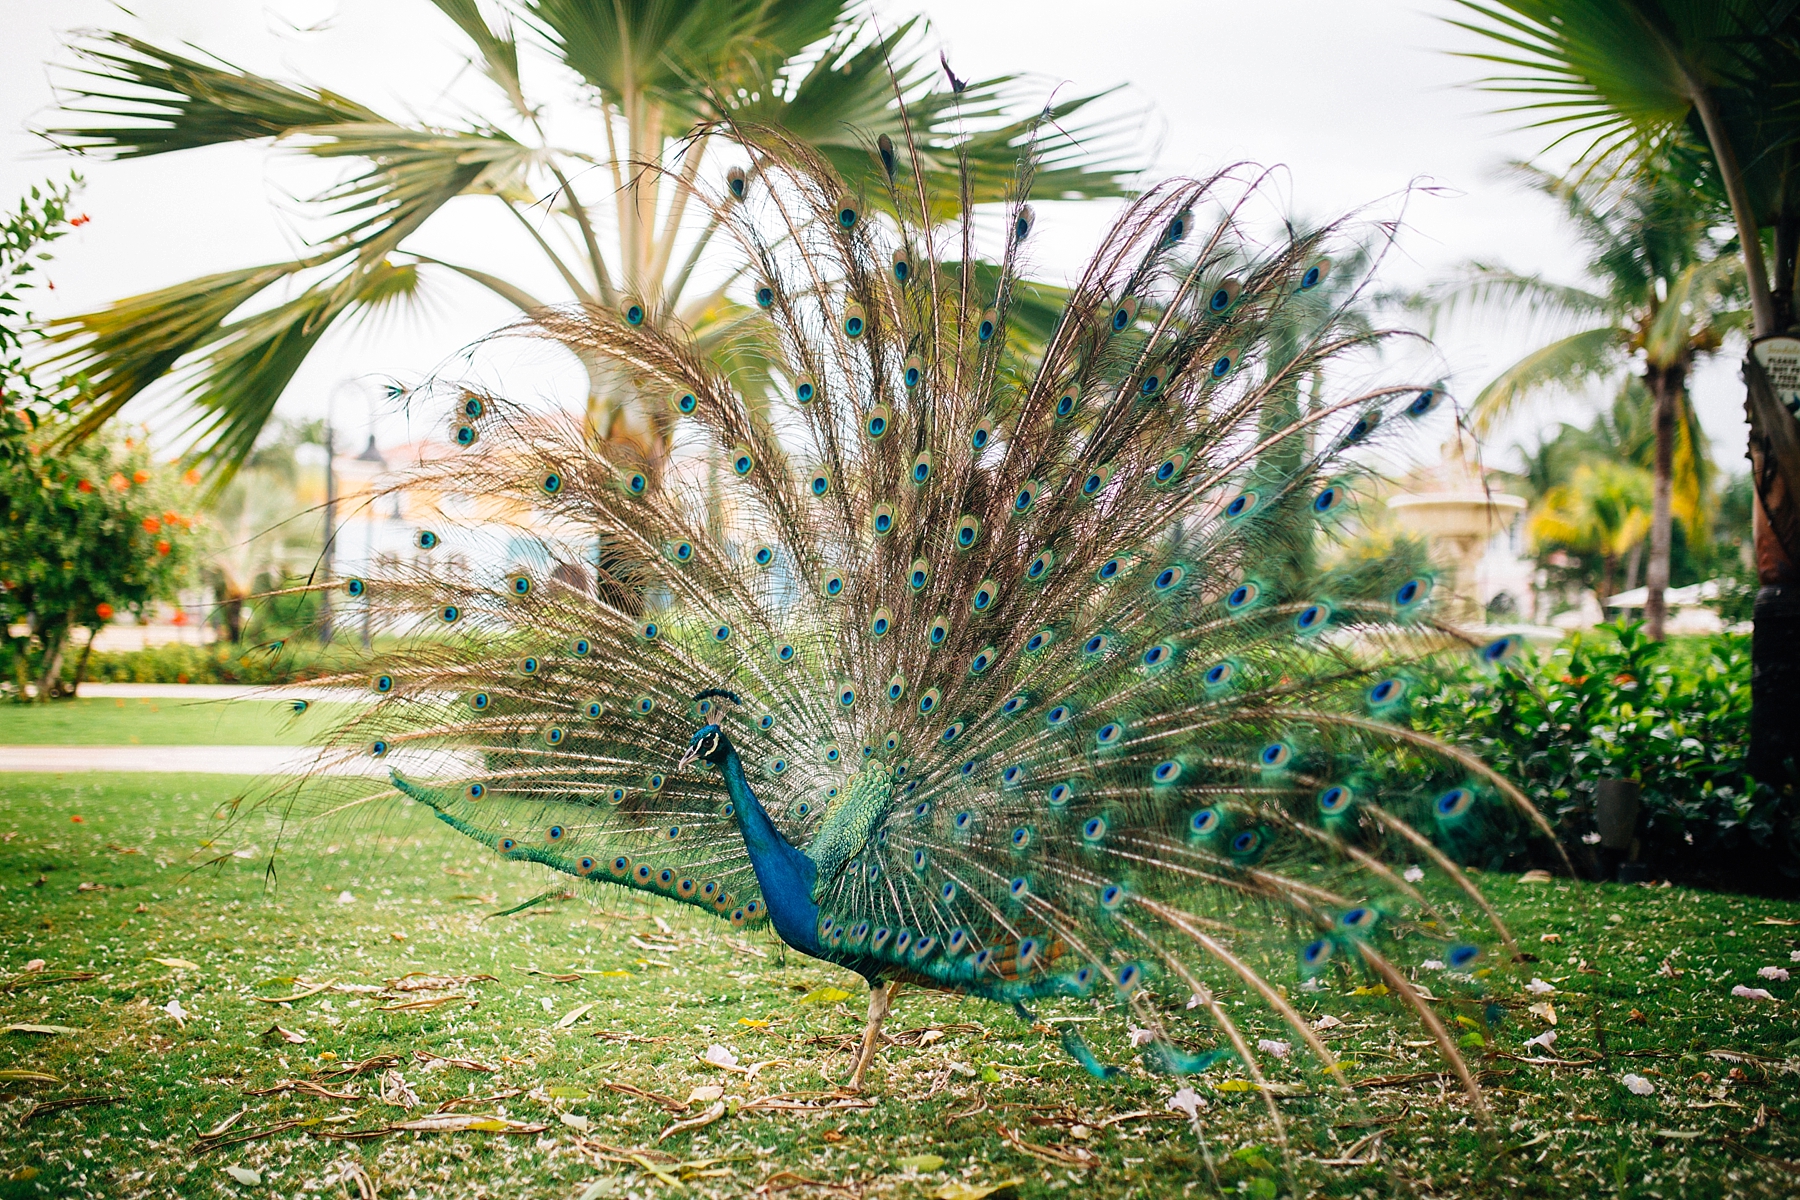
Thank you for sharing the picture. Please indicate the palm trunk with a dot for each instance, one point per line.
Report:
(1666, 385)
(1607, 563)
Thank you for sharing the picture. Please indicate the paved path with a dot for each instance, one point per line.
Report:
(230, 760)
(214, 691)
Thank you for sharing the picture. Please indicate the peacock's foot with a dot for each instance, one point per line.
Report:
(881, 996)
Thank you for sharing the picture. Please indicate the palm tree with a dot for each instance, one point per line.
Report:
(1715, 83)
(662, 77)
(1666, 293)
(1601, 513)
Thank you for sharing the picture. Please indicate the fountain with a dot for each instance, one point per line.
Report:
(1457, 517)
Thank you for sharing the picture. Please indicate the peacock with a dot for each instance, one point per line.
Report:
(1003, 661)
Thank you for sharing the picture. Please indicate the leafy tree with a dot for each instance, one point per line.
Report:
(1666, 292)
(25, 237)
(85, 534)
(662, 78)
(1601, 512)
(258, 542)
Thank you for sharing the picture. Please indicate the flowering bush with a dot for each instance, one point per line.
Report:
(85, 534)
(1612, 704)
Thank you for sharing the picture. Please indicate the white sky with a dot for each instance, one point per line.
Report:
(1356, 99)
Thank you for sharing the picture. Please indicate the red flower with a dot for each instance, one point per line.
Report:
(78, 222)
(152, 525)
(103, 610)
(163, 547)
(84, 486)
(118, 483)
(140, 477)
(191, 476)
(77, 821)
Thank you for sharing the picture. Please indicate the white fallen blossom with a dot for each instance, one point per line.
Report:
(1271, 1046)
(1637, 1085)
(174, 1009)
(1793, 956)
(1413, 874)
(1312, 985)
(346, 897)
(1546, 1040)
(1779, 974)
(1141, 1037)
(1186, 1101)
(1327, 1022)
(1750, 993)
(1538, 987)
(1195, 1000)
(1431, 964)
(719, 1056)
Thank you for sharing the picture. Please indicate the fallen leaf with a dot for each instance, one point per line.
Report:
(14, 1076)
(275, 1033)
(1544, 1011)
(177, 964)
(1234, 1085)
(467, 1122)
(1535, 877)
(958, 1190)
(47, 1029)
(706, 1094)
(244, 1175)
(1380, 989)
(576, 1121)
(753, 1023)
(706, 1118)
(920, 1162)
(824, 995)
(573, 1015)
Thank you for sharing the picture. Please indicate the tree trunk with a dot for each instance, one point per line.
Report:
(81, 667)
(1666, 385)
(1774, 754)
(55, 639)
(234, 616)
(1607, 563)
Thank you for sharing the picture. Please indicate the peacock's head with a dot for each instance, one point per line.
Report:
(708, 745)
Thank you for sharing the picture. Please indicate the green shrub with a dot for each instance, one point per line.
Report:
(1614, 705)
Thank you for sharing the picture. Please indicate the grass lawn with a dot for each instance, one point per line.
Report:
(119, 722)
(158, 976)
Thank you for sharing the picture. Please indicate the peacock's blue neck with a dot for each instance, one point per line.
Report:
(785, 874)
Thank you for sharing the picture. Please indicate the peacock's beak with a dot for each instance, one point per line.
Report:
(687, 760)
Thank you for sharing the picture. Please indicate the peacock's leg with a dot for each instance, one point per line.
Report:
(881, 995)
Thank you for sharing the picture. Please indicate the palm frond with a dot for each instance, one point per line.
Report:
(1567, 362)
(620, 47)
(120, 350)
(497, 47)
(412, 173)
(173, 102)
(239, 381)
